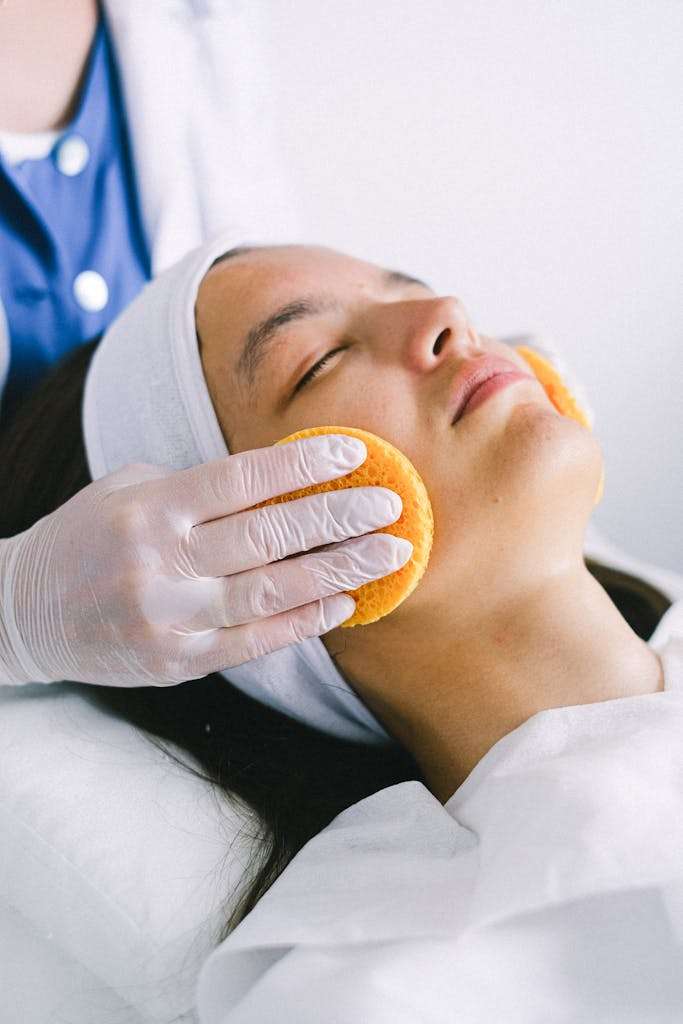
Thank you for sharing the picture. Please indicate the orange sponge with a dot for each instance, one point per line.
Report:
(559, 394)
(385, 466)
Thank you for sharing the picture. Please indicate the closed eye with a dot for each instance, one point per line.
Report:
(315, 369)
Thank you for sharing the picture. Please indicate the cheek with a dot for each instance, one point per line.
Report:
(479, 493)
(246, 428)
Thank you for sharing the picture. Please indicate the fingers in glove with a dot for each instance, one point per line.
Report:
(282, 586)
(247, 540)
(222, 649)
(235, 483)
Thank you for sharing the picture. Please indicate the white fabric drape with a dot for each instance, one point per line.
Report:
(548, 888)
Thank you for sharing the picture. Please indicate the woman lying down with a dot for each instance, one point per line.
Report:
(472, 808)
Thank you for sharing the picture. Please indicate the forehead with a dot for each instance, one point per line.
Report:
(247, 298)
(264, 274)
(240, 290)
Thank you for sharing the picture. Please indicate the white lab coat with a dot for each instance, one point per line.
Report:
(548, 888)
(195, 79)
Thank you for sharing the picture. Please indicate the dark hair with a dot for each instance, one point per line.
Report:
(291, 780)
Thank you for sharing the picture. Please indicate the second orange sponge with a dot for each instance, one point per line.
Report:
(560, 395)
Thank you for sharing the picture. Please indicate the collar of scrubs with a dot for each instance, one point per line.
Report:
(75, 254)
(87, 124)
(16, 147)
(88, 134)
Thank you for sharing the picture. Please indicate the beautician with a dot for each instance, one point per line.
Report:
(129, 133)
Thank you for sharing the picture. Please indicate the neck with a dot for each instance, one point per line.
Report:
(558, 643)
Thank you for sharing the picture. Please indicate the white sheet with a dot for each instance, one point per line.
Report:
(114, 866)
(41, 984)
(548, 888)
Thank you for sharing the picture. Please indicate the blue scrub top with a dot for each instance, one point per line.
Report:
(72, 249)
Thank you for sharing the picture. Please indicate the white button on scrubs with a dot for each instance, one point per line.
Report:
(91, 291)
(72, 155)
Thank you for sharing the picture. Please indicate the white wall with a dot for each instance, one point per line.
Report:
(527, 157)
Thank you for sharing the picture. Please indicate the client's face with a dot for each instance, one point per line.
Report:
(513, 469)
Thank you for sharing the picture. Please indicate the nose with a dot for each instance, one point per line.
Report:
(440, 330)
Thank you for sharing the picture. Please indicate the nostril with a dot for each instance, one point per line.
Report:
(439, 343)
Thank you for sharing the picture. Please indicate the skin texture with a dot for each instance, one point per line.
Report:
(507, 620)
(44, 45)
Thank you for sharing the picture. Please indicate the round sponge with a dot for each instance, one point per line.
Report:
(385, 466)
(560, 395)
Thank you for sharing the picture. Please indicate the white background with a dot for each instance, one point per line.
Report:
(525, 156)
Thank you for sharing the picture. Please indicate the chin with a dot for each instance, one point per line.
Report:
(557, 478)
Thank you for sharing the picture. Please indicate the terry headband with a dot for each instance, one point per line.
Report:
(146, 400)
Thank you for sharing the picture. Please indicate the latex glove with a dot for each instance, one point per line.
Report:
(150, 576)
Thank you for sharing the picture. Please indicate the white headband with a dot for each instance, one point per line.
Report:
(146, 400)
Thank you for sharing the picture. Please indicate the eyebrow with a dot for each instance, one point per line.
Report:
(261, 337)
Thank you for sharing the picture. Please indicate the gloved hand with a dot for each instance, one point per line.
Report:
(150, 576)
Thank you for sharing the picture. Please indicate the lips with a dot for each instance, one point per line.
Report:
(474, 373)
